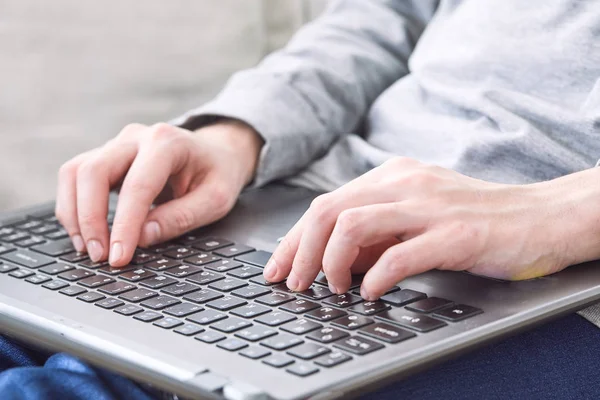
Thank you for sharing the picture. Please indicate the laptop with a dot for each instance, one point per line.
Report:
(195, 317)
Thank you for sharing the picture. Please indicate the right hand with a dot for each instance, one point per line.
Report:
(204, 171)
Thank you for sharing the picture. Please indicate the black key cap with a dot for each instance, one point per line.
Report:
(180, 289)
(89, 264)
(5, 248)
(75, 275)
(245, 272)
(5, 268)
(72, 291)
(325, 314)
(259, 280)
(316, 292)
(232, 344)
(282, 287)
(205, 277)
(137, 275)
(457, 312)
(128, 309)
(251, 291)
(224, 265)
(32, 241)
(142, 257)
(408, 319)
(56, 249)
(352, 322)
(160, 302)
(161, 264)
(275, 299)
(256, 333)
(258, 258)
(96, 281)
(255, 352)
(168, 323)
(227, 284)
(183, 309)
(327, 335)
(275, 318)
(15, 237)
(158, 282)
(233, 250)
(394, 289)
(206, 317)
(5, 231)
(38, 279)
(308, 351)
(21, 273)
(162, 247)
(210, 337)
(302, 369)
(429, 304)
(386, 332)
(231, 324)
(343, 300)
(358, 345)
(74, 257)
(108, 270)
(203, 296)
(109, 304)
(300, 326)
(91, 297)
(27, 225)
(226, 303)
(138, 295)
(403, 297)
(181, 252)
(27, 258)
(147, 316)
(57, 268)
(283, 341)
(251, 311)
(300, 306)
(278, 360)
(44, 229)
(182, 271)
(189, 238)
(189, 329)
(117, 288)
(61, 233)
(211, 243)
(202, 259)
(370, 307)
(55, 285)
(321, 279)
(332, 359)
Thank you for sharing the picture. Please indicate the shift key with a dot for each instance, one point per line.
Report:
(27, 258)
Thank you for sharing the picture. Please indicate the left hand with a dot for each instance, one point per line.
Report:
(404, 218)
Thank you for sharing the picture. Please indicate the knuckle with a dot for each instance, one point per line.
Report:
(90, 220)
(90, 167)
(67, 170)
(349, 223)
(419, 178)
(400, 162)
(130, 129)
(162, 132)
(321, 206)
(138, 186)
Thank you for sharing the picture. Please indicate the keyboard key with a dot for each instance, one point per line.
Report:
(408, 319)
(181, 252)
(206, 317)
(278, 360)
(321, 279)
(147, 316)
(232, 344)
(89, 264)
(72, 291)
(27, 258)
(55, 249)
(224, 265)
(227, 284)
(44, 229)
(325, 314)
(96, 281)
(15, 237)
(138, 295)
(457, 312)
(352, 322)
(255, 352)
(142, 257)
(211, 243)
(259, 280)
(226, 303)
(316, 292)
(54, 269)
(343, 300)
(386, 332)
(183, 309)
(158, 282)
(327, 335)
(5, 231)
(275, 318)
(168, 323)
(61, 233)
(116, 288)
(370, 307)
(429, 304)
(38, 279)
(302, 369)
(245, 272)
(256, 333)
(5, 268)
(275, 299)
(91, 297)
(358, 345)
(5, 248)
(162, 247)
(332, 359)
(75, 275)
(282, 287)
(109, 303)
(160, 302)
(251, 291)
(403, 297)
(203, 296)
(251, 311)
(189, 238)
(55, 285)
(300, 306)
(137, 275)
(231, 324)
(108, 270)
(202, 259)
(189, 329)
(282, 341)
(161, 264)
(258, 258)
(128, 309)
(205, 277)
(180, 289)
(210, 337)
(234, 250)
(300, 326)
(308, 351)
(27, 225)
(74, 257)
(21, 273)
(32, 241)
(182, 271)
(394, 289)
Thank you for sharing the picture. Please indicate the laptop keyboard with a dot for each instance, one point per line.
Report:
(212, 290)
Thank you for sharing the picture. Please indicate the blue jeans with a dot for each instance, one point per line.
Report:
(559, 360)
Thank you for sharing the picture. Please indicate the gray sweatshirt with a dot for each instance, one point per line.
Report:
(501, 90)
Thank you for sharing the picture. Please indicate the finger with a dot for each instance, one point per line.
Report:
(368, 256)
(95, 178)
(365, 226)
(279, 265)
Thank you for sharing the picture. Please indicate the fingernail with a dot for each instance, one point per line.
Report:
(94, 249)
(292, 282)
(78, 243)
(116, 252)
(332, 288)
(152, 232)
(270, 269)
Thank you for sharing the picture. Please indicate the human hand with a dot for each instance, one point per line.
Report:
(203, 171)
(404, 218)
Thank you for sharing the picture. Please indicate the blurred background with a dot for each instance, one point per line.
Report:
(74, 72)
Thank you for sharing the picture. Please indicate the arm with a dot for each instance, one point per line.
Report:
(321, 85)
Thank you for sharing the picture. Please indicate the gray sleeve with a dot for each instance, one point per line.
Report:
(321, 85)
